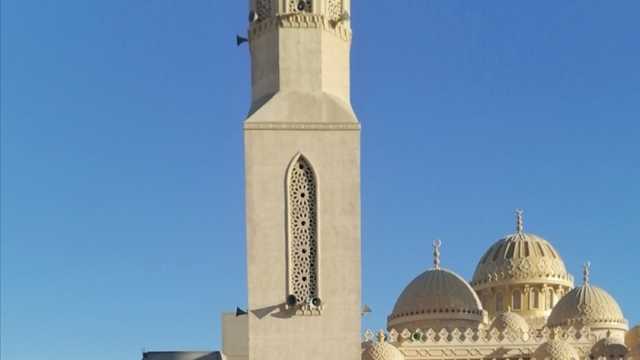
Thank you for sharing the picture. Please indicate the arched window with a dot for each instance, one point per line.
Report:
(534, 299)
(302, 224)
(547, 299)
(516, 302)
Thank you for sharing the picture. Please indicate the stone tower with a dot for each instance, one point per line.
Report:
(302, 168)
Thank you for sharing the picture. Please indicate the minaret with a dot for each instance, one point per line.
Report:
(302, 177)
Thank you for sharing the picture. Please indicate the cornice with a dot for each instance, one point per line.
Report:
(472, 336)
(300, 21)
(301, 126)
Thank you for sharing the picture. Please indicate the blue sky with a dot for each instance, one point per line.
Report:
(122, 164)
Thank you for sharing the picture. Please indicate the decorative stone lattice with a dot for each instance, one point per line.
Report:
(533, 337)
(334, 9)
(296, 6)
(302, 223)
(263, 8)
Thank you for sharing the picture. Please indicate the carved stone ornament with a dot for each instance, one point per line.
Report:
(300, 20)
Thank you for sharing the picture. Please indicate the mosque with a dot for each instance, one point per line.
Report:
(302, 191)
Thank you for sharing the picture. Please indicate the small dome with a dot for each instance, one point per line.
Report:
(521, 258)
(632, 339)
(609, 347)
(381, 350)
(588, 306)
(556, 350)
(436, 294)
(511, 322)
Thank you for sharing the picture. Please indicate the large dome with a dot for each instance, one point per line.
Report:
(588, 306)
(521, 258)
(436, 294)
(521, 272)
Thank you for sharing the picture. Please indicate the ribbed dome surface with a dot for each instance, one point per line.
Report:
(521, 257)
(588, 305)
(556, 350)
(511, 322)
(381, 350)
(437, 291)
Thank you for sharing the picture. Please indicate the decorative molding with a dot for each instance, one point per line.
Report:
(494, 336)
(479, 344)
(335, 9)
(302, 126)
(263, 8)
(300, 21)
(309, 310)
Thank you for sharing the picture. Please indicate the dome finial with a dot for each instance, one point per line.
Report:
(586, 271)
(436, 254)
(519, 221)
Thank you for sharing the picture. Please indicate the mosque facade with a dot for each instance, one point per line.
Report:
(302, 187)
(520, 304)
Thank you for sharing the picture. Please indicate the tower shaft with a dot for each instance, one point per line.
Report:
(302, 178)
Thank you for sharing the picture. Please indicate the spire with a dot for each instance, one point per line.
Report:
(436, 254)
(381, 336)
(519, 221)
(586, 272)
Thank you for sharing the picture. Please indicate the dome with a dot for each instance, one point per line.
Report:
(381, 350)
(588, 306)
(436, 294)
(521, 258)
(556, 350)
(511, 322)
(632, 340)
(609, 347)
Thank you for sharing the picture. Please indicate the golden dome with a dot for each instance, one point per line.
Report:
(435, 296)
(556, 350)
(511, 322)
(632, 339)
(521, 258)
(381, 350)
(588, 306)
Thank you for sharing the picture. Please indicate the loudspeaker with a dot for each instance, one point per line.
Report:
(240, 312)
(240, 40)
(292, 300)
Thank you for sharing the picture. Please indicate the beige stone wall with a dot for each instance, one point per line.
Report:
(273, 332)
(235, 337)
(308, 61)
